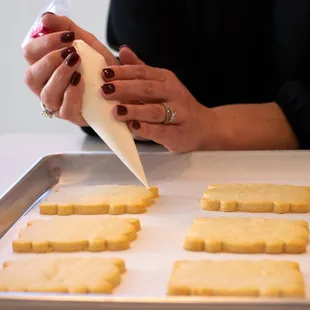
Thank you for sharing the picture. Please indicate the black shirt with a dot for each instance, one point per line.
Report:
(225, 51)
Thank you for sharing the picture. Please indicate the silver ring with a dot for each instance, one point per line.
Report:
(170, 114)
(46, 112)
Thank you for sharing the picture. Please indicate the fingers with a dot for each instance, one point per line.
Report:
(128, 57)
(72, 101)
(161, 134)
(53, 92)
(44, 45)
(133, 72)
(140, 90)
(151, 113)
(37, 75)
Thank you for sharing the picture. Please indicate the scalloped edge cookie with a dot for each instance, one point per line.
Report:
(256, 198)
(265, 278)
(29, 242)
(52, 206)
(62, 274)
(247, 235)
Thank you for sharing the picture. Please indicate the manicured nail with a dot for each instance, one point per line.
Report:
(108, 73)
(136, 125)
(72, 59)
(123, 45)
(47, 13)
(67, 51)
(121, 110)
(108, 88)
(67, 37)
(75, 78)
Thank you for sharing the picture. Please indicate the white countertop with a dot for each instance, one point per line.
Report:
(18, 152)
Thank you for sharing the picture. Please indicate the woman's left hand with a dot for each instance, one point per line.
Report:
(156, 90)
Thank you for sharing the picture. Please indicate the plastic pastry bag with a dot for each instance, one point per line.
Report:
(59, 7)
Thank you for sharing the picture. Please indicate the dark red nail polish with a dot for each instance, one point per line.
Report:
(121, 110)
(75, 78)
(108, 88)
(136, 125)
(123, 45)
(108, 73)
(72, 59)
(67, 51)
(67, 37)
(47, 13)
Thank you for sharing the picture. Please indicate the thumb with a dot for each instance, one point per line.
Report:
(128, 57)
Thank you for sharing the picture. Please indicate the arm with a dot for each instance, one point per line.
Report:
(251, 126)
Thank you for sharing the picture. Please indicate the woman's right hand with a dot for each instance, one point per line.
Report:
(53, 62)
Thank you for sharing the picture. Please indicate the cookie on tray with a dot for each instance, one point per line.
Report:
(62, 274)
(265, 278)
(99, 199)
(82, 233)
(257, 197)
(247, 235)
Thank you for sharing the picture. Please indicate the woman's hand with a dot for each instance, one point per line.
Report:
(53, 62)
(156, 89)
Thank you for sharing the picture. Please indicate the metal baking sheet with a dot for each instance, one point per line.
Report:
(182, 180)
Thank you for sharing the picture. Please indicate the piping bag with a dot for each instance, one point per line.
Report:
(96, 110)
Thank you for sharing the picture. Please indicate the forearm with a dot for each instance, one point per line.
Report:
(250, 127)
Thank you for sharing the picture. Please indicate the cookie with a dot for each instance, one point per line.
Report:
(247, 235)
(259, 197)
(62, 275)
(98, 199)
(70, 234)
(237, 278)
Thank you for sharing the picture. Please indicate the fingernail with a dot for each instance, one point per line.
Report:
(75, 78)
(67, 51)
(123, 45)
(67, 37)
(47, 13)
(135, 125)
(121, 110)
(108, 88)
(108, 73)
(72, 59)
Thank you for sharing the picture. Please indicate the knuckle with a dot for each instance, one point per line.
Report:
(28, 77)
(141, 72)
(48, 98)
(162, 74)
(149, 88)
(28, 54)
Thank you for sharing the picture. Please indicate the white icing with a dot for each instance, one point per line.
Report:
(97, 111)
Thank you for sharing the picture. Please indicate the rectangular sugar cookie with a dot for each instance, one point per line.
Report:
(259, 197)
(62, 275)
(247, 235)
(70, 234)
(99, 199)
(237, 278)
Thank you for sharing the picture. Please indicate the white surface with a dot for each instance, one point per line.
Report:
(164, 226)
(98, 112)
(20, 109)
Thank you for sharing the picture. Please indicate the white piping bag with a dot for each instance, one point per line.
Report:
(96, 110)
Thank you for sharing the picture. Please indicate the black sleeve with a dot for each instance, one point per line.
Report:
(292, 34)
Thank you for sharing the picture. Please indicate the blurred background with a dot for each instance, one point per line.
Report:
(20, 109)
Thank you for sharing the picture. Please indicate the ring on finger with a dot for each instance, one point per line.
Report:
(170, 114)
(46, 112)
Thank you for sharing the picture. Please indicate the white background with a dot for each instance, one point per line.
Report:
(20, 109)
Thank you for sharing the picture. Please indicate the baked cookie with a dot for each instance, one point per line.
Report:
(98, 199)
(237, 278)
(63, 234)
(247, 235)
(62, 275)
(259, 197)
